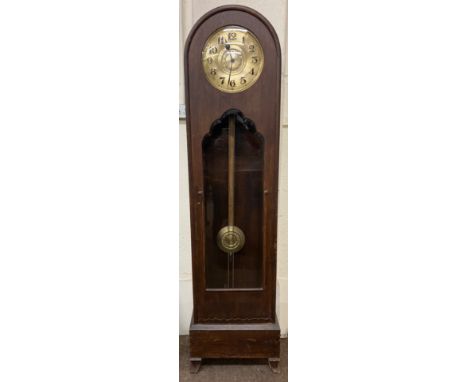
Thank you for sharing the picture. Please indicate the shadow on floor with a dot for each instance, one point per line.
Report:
(232, 370)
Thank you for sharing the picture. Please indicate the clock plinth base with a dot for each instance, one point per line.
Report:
(236, 341)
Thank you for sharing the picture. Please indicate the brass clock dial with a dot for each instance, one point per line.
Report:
(232, 59)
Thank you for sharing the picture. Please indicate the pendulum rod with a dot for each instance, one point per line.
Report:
(228, 265)
(231, 166)
(231, 185)
(230, 238)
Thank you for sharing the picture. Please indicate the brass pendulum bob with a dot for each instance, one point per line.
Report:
(231, 239)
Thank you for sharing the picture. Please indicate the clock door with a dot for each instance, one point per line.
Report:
(235, 283)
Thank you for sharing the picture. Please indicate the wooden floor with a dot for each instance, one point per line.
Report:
(232, 370)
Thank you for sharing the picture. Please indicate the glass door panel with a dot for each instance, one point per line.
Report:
(233, 188)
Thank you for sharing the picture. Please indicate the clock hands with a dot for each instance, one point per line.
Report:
(230, 70)
(228, 48)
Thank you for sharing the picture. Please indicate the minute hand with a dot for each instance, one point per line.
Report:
(228, 48)
(230, 70)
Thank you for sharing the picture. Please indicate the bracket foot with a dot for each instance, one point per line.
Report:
(274, 365)
(195, 364)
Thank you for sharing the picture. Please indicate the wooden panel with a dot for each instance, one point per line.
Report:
(225, 344)
(235, 341)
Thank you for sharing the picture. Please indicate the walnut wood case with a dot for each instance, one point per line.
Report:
(236, 322)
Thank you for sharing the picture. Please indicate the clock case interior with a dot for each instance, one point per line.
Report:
(233, 319)
(243, 269)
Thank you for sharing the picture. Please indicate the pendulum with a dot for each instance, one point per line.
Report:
(230, 238)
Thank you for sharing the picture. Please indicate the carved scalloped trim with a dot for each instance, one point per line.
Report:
(243, 121)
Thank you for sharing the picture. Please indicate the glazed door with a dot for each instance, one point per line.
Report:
(233, 189)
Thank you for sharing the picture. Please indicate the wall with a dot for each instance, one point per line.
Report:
(276, 12)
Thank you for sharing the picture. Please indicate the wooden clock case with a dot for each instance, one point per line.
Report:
(234, 322)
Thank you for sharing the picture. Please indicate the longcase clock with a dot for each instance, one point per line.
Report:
(232, 83)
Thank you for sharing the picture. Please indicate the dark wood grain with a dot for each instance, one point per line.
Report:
(235, 341)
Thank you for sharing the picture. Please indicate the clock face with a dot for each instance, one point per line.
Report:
(232, 59)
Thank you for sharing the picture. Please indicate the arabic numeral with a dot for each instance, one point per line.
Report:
(209, 60)
(231, 35)
(252, 72)
(222, 80)
(254, 59)
(232, 83)
(251, 48)
(213, 50)
(213, 71)
(243, 81)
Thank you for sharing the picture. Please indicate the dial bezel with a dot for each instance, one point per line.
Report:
(247, 56)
